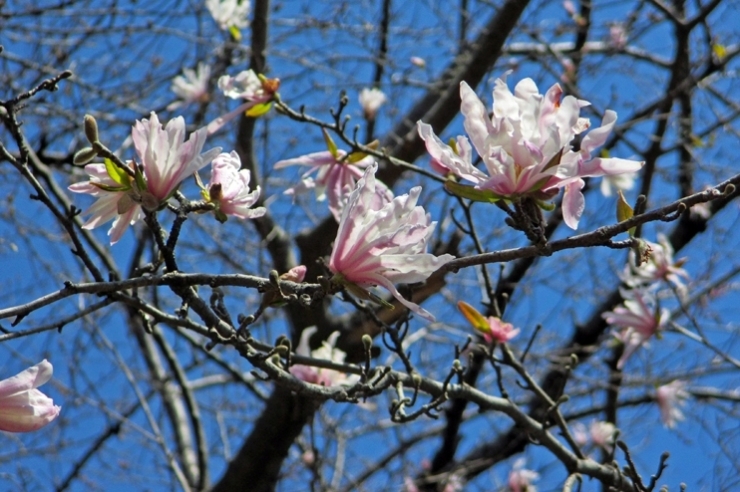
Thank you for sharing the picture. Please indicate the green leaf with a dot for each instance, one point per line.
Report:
(471, 193)
(330, 143)
(235, 33)
(258, 110)
(116, 173)
(624, 211)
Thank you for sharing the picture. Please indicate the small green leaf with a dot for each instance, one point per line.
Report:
(624, 211)
(356, 157)
(116, 173)
(555, 161)
(235, 33)
(546, 206)
(330, 143)
(258, 110)
(471, 193)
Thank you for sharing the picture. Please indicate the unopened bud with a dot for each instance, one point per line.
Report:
(416, 378)
(91, 129)
(84, 156)
(456, 365)
(282, 350)
(367, 341)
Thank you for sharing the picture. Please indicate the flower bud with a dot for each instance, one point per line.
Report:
(367, 341)
(84, 156)
(91, 129)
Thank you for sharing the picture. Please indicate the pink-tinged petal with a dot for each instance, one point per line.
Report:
(573, 204)
(477, 124)
(219, 122)
(296, 274)
(23, 408)
(314, 159)
(597, 137)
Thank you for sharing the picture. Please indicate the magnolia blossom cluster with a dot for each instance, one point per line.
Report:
(638, 318)
(526, 147)
(381, 242)
(23, 408)
(327, 351)
(165, 159)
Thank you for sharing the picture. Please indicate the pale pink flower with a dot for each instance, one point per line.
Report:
(23, 408)
(229, 189)
(371, 100)
(520, 478)
(327, 351)
(116, 200)
(670, 397)
(660, 266)
(229, 13)
(191, 86)
(335, 177)
(166, 159)
(384, 243)
(602, 434)
(638, 321)
(255, 90)
(526, 145)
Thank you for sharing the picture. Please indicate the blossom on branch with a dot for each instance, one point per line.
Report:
(256, 90)
(623, 182)
(23, 408)
(670, 397)
(526, 147)
(166, 159)
(229, 189)
(327, 351)
(491, 328)
(638, 321)
(191, 86)
(230, 15)
(336, 175)
(520, 478)
(660, 266)
(382, 243)
(371, 100)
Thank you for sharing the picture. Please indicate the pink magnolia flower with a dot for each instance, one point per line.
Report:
(229, 13)
(336, 176)
(327, 351)
(229, 189)
(166, 159)
(384, 243)
(491, 328)
(256, 90)
(520, 478)
(670, 397)
(116, 199)
(371, 100)
(526, 146)
(638, 321)
(660, 266)
(23, 408)
(191, 86)
(602, 434)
